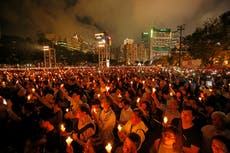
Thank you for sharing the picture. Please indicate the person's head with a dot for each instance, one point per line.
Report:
(218, 119)
(174, 104)
(169, 135)
(131, 143)
(144, 105)
(106, 102)
(125, 104)
(220, 144)
(187, 115)
(82, 111)
(76, 97)
(136, 116)
(46, 125)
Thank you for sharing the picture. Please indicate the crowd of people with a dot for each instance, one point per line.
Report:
(117, 110)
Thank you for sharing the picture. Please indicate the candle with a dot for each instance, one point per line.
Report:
(98, 95)
(62, 128)
(165, 120)
(131, 82)
(171, 94)
(33, 90)
(62, 85)
(119, 127)
(143, 82)
(94, 110)
(67, 109)
(119, 95)
(108, 148)
(69, 141)
(28, 97)
(107, 88)
(200, 98)
(138, 99)
(154, 90)
(153, 80)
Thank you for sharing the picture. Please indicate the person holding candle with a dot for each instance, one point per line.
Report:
(171, 110)
(220, 144)
(131, 143)
(85, 127)
(107, 121)
(135, 125)
(218, 127)
(190, 133)
(168, 143)
(126, 112)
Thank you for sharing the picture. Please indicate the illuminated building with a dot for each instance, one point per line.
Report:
(145, 38)
(129, 50)
(159, 42)
(103, 41)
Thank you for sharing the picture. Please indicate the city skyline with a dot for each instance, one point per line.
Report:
(121, 19)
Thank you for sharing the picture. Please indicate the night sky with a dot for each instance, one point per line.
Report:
(121, 18)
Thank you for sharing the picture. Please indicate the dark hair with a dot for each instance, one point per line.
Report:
(84, 108)
(189, 108)
(126, 102)
(172, 129)
(108, 100)
(135, 138)
(224, 140)
(138, 112)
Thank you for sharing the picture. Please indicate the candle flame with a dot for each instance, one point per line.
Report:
(69, 140)
(28, 97)
(62, 128)
(165, 120)
(108, 147)
(107, 88)
(119, 127)
(94, 110)
(138, 99)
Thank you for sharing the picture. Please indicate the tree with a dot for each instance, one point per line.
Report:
(208, 41)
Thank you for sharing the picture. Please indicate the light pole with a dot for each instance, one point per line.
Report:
(180, 28)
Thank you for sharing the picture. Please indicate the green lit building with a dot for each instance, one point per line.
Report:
(159, 42)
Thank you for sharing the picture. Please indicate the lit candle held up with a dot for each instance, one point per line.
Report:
(94, 110)
(28, 97)
(131, 82)
(62, 128)
(119, 127)
(171, 94)
(153, 90)
(98, 95)
(69, 141)
(200, 99)
(67, 109)
(165, 120)
(107, 88)
(138, 99)
(108, 148)
(33, 90)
